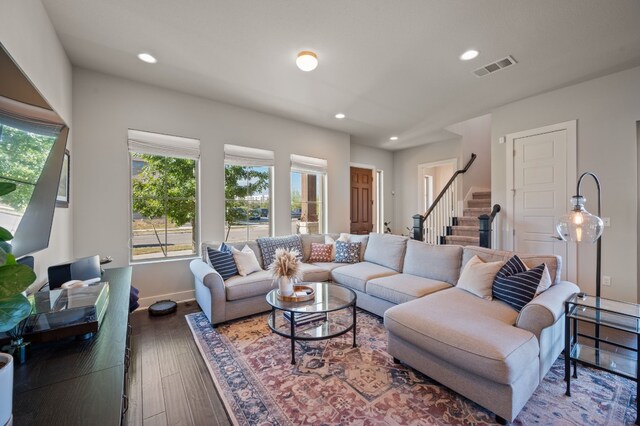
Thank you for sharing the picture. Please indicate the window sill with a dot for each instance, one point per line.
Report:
(164, 260)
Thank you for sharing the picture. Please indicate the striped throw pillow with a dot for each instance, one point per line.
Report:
(222, 262)
(515, 285)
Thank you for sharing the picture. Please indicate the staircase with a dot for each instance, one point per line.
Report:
(465, 229)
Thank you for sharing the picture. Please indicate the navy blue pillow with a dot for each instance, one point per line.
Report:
(224, 248)
(518, 288)
(222, 262)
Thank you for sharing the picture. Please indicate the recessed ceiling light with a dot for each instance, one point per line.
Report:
(469, 54)
(307, 60)
(147, 57)
(393, 138)
(340, 116)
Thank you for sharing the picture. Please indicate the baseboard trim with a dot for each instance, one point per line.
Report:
(181, 296)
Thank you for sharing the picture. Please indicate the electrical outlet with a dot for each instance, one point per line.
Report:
(606, 221)
(606, 281)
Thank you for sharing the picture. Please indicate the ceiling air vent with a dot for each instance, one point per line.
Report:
(495, 66)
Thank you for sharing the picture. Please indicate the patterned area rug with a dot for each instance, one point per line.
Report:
(333, 383)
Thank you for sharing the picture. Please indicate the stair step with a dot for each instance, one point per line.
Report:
(482, 195)
(482, 202)
(465, 231)
(468, 221)
(462, 241)
(476, 211)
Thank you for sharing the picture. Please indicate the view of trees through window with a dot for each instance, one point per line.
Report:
(247, 202)
(22, 158)
(306, 203)
(163, 206)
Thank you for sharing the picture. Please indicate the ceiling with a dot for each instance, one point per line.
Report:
(392, 67)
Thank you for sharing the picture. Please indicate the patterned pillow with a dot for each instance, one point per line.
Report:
(222, 262)
(268, 246)
(347, 252)
(320, 252)
(224, 248)
(516, 287)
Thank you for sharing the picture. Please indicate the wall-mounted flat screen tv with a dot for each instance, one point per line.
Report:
(33, 139)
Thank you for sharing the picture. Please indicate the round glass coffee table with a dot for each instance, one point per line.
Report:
(330, 314)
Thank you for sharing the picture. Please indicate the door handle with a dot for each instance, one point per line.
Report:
(555, 237)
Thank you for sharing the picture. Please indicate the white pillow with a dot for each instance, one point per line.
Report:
(246, 261)
(329, 240)
(545, 282)
(477, 277)
(344, 237)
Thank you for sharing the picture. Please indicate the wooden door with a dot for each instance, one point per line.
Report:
(540, 181)
(361, 201)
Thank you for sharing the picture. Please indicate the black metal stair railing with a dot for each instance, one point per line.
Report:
(485, 223)
(434, 221)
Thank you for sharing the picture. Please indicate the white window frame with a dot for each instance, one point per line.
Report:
(143, 142)
(245, 156)
(318, 167)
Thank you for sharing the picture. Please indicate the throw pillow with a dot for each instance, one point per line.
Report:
(320, 253)
(515, 265)
(477, 277)
(518, 289)
(222, 262)
(269, 245)
(225, 248)
(347, 252)
(329, 240)
(246, 261)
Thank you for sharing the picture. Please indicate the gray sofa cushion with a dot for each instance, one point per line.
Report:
(313, 273)
(440, 263)
(474, 334)
(255, 284)
(386, 250)
(554, 263)
(356, 276)
(401, 288)
(329, 266)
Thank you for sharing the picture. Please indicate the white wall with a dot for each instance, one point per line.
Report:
(382, 160)
(27, 34)
(105, 107)
(405, 167)
(476, 138)
(606, 110)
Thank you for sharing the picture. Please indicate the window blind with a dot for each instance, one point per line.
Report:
(300, 163)
(166, 145)
(244, 156)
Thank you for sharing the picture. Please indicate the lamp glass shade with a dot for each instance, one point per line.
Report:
(307, 60)
(579, 225)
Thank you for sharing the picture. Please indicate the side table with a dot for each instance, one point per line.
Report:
(601, 312)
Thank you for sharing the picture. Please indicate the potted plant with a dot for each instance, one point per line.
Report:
(285, 269)
(14, 308)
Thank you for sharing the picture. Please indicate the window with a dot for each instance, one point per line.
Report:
(247, 190)
(164, 196)
(308, 182)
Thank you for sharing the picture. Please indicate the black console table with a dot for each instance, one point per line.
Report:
(72, 382)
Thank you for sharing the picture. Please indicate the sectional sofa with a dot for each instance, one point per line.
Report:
(482, 349)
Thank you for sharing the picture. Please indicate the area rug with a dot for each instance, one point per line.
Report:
(335, 384)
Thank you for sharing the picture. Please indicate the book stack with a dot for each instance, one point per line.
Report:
(302, 318)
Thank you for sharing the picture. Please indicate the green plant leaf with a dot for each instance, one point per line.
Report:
(11, 260)
(5, 235)
(14, 279)
(13, 309)
(3, 256)
(6, 247)
(7, 187)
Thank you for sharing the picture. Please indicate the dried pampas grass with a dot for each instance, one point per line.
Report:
(286, 264)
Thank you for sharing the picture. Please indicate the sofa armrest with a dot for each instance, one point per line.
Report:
(545, 309)
(211, 301)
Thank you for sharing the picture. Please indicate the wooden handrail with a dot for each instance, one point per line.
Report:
(446, 187)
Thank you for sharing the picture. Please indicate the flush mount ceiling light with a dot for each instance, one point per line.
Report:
(147, 57)
(307, 60)
(339, 116)
(393, 138)
(469, 54)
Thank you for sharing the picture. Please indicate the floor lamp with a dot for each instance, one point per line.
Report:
(581, 226)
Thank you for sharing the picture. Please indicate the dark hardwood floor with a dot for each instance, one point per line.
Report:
(169, 383)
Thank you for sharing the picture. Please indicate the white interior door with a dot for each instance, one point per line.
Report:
(542, 179)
